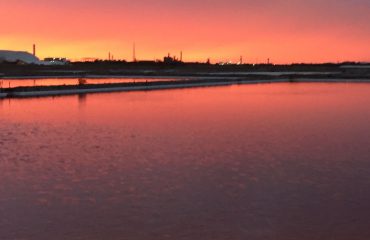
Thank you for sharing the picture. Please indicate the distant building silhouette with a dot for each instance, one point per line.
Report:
(56, 61)
(169, 59)
(18, 57)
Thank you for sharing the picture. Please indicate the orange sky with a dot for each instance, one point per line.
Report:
(285, 31)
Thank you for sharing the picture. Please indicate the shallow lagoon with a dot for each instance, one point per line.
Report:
(263, 161)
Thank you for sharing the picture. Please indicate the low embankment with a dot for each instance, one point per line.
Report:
(40, 91)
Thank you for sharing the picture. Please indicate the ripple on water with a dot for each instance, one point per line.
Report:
(245, 162)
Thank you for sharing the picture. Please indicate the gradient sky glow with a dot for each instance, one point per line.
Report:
(284, 30)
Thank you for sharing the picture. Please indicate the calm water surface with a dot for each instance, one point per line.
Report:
(268, 161)
(11, 83)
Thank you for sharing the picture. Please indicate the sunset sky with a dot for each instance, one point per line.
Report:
(283, 30)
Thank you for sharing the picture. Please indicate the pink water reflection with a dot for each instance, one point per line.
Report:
(11, 83)
(266, 161)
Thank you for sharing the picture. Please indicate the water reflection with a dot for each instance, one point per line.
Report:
(82, 100)
(276, 161)
(11, 83)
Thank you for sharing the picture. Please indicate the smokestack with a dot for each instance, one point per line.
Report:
(34, 50)
(134, 53)
(181, 56)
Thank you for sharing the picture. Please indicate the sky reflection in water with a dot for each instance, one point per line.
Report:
(265, 161)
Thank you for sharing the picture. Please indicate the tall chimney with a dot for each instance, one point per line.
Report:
(134, 53)
(34, 50)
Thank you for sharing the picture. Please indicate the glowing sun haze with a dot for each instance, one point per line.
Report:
(284, 30)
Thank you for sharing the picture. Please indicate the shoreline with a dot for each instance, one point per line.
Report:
(48, 91)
